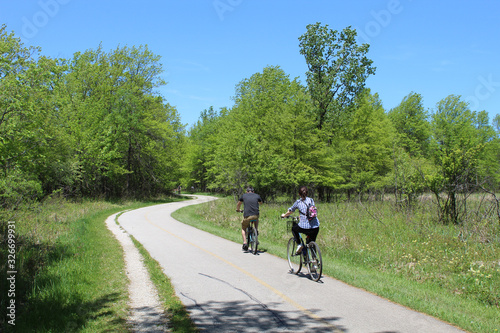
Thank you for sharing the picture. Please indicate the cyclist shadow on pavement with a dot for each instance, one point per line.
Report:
(254, 316)
(304, 275)
(258, 251)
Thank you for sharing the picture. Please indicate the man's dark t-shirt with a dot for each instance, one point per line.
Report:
(251, 203)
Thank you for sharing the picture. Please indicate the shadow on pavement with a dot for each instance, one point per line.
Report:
(257, 317)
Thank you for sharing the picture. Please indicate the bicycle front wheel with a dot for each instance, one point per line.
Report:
(294, 260)
(252, 244)
(315, 263)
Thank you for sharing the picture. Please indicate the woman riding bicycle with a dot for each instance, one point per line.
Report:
(309, 227)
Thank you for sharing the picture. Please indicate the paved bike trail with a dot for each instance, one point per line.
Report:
(227, 290)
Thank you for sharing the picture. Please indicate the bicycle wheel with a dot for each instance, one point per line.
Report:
(252, 240)
(315, 263)
(294, 260)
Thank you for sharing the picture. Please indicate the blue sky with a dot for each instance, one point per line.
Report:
(434, 48)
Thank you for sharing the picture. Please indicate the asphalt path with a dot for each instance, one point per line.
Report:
(228, 290)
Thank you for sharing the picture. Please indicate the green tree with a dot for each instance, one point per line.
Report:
(496, 124)
(363, 151)
(496, 152)
(28, 137)
(408, 176)
(138, 71)
(457, 150)
(268, 138)
(411, 123)
(121, 130)
(202, 140)
(411, 147)
(337, 71)
(488, 171)
(91, 125)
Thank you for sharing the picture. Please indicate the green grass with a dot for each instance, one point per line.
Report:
(448, 271)
(71, 273)
(84, 287)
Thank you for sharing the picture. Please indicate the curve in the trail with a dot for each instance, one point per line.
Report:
(227, 290)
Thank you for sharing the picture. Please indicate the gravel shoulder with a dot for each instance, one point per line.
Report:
(147, 313)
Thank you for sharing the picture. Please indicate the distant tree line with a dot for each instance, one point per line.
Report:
(334, 135)
(93, 126)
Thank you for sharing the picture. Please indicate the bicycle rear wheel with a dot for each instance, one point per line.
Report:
(294, 260)
(252, 240)
(315, 263)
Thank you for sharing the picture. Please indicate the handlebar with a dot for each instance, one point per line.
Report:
(294, 218)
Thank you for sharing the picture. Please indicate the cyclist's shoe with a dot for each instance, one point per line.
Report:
(244, 247)
(299, 249)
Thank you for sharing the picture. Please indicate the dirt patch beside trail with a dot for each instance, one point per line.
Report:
(147, 314)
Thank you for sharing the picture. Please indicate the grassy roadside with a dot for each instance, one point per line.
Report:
(83, 287)
(70, 269)
(411, 261)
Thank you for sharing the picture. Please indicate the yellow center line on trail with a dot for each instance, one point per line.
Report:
(265, 284)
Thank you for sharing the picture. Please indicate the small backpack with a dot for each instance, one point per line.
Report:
(311, 212)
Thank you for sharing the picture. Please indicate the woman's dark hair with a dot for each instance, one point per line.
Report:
(303, 191)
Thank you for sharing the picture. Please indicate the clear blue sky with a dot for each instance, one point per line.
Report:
(434, 48)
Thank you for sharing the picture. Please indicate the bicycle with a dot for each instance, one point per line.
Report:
(310, 255)
(252, 237)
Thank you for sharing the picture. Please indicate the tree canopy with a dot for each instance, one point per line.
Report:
(337, 71)
(91, 125)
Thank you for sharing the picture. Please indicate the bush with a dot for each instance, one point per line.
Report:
(17, 188)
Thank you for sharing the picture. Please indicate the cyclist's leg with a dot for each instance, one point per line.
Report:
(296, 230)
(244, 225)
(311, 233)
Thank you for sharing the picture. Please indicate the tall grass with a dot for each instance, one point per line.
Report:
(449, 271)
(70, 268)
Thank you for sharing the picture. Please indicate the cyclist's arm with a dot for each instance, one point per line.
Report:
(238, 205)
(291, 209)
(286, 214)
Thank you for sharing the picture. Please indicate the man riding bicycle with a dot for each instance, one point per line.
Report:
(251, 202)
